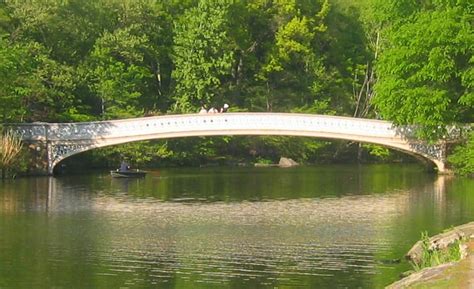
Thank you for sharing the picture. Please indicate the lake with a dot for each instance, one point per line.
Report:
(328, 226)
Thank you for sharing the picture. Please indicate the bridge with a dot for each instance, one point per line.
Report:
(54, 142)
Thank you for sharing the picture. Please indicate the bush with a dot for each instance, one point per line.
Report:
(10, 148)
(462, 158)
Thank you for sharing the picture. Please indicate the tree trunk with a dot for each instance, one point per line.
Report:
(159, 82)
(269, 105)
(363, 103)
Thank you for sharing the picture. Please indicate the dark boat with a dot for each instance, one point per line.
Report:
(127, 174)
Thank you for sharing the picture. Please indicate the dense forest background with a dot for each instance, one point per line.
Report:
(408, 61)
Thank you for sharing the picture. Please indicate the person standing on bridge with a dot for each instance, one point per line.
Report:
(224, 108)
(212, 110)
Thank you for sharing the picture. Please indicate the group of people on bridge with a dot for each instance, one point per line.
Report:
(223, 109)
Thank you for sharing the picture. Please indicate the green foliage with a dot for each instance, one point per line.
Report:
(136, 153)
(83, 60)
(462, 158)
(203, 54)
(263, 161)
(14, 66)
(293, 69)
(273, 147)
(378, 151)
(118, 76)
(317, 107)
(352, 49)
(425, 71)
(50, 89)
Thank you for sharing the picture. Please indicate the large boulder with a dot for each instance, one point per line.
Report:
(286, 163)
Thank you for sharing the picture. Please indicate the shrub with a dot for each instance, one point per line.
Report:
(10, 147)
(431, 257)
(462, 158)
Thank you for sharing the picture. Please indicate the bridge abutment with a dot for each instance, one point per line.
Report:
(38, 158)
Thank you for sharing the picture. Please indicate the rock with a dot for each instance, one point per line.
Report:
(420, 276)
(286, 163)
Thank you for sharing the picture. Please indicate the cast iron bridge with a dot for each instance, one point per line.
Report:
(58, 141)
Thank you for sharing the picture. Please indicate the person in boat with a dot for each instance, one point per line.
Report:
(203, 110)
(124, 167)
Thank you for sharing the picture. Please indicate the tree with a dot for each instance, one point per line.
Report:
(15, 74)
(293, 71)
(154, 21)
(203, 54)
(67, 29)
(462, 158)
(425, 71)
(59, 34)
(119, 76)
(34, 87)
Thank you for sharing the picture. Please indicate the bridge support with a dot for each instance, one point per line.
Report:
(441, 162)
(38, 158)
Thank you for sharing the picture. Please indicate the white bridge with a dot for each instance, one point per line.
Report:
(57, 141)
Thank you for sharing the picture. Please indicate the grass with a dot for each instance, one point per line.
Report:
(433, 257)
(10, 147)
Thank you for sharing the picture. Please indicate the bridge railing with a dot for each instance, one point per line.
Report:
(198, 122)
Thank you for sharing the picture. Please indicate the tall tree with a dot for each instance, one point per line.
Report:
(118, 74)
(425, 71)
(67, 29)
(203, 54)
(153, 20)
(293, 71)
(351, 48)
(15, 71)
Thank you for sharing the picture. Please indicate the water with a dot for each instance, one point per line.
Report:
(308, 227)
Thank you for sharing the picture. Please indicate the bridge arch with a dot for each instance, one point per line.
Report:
(66, 139)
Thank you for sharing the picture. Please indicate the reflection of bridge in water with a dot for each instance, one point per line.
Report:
(56, 141)
(50, 194)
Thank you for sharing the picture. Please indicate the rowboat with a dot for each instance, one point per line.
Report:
(127, 174)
